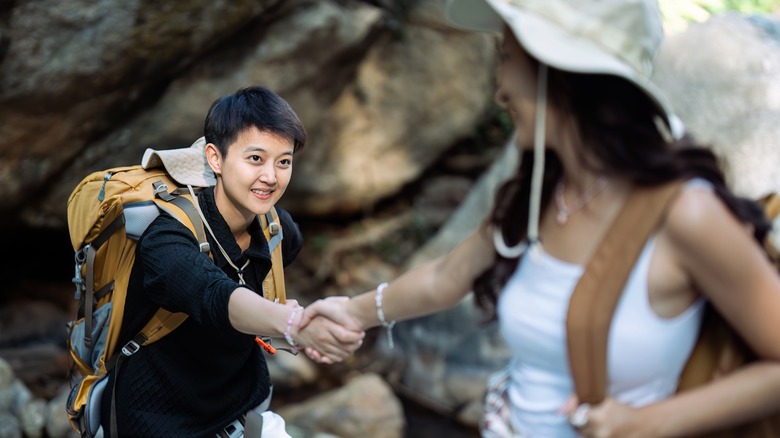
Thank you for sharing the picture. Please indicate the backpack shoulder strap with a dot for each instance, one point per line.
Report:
(186, 213)
(273, 284)
(180, 205)
(596, 295)
(771, 205)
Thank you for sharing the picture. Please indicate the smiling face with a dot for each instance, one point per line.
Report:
(252, 176)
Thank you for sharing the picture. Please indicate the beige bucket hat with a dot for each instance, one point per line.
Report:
(615, 37)
(188, 166)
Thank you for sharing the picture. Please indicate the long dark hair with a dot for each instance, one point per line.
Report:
(615, 121)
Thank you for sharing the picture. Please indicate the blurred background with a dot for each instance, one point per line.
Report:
(406, 147)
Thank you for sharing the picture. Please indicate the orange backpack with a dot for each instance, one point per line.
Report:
(107, 213)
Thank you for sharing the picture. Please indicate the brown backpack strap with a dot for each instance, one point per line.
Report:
(771, 205)
(273, 284)
(596, 295)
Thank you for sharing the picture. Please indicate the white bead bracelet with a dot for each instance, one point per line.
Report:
(380, 314)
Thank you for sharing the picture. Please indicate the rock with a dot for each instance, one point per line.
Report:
(291, 371)
(9, 426)
(22, 397)
(33, 418)
(722, 77)
(364, 407)
(7, 378)
(57, 424)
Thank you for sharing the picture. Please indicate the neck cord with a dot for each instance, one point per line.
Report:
(239, 271)
(537, 176)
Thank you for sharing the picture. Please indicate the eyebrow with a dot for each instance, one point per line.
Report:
(253, 148)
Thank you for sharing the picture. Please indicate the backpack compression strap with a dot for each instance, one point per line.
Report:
(596, 295)
(273, 284)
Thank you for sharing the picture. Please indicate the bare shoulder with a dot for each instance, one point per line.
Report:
(715, 249)
(697, 215)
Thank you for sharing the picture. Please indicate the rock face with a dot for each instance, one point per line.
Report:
(86, 86)
(723, 79)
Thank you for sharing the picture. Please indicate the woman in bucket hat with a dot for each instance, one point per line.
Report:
(591, 127)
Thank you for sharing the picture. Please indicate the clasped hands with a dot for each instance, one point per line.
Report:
(326, 331)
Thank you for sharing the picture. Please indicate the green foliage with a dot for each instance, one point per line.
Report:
(751, 6)
(678, 13)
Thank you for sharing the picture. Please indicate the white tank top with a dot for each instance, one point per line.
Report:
(646, 353)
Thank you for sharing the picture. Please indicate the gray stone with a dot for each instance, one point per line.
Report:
(364, 407)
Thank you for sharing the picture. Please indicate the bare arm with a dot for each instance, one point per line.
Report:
(433, 286)
(253, 314)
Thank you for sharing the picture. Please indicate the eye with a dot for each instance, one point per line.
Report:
(285, 162)
(255, 158)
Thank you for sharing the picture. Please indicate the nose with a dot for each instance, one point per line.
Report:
(268, 174)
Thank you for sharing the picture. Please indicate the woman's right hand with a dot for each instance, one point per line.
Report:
(333, 308)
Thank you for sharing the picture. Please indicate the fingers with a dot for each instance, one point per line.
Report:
(316, 356)
(571, 404)
(335, 308)
(580, 417)
(578, 414)
(330, 340)
(308, 314)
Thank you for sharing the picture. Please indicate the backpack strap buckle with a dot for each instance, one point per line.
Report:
(131, 348)
(161, 191)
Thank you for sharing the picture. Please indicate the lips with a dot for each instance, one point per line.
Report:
(262, 194)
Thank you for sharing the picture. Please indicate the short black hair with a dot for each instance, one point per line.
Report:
(249, 107)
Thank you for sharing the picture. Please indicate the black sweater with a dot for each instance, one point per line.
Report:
(204, 374)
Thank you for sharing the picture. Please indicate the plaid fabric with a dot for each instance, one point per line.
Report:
(495, 422)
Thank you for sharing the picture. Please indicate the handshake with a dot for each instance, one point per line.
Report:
(327, 331)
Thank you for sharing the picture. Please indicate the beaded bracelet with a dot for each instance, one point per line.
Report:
(288, 330)
(380, 314)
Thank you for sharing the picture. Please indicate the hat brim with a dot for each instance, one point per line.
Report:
(553, 46)
(188, 166)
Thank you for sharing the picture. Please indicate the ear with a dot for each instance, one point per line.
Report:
(214, 158)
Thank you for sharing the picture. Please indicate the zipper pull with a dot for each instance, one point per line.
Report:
(102, 194)
(266, 345)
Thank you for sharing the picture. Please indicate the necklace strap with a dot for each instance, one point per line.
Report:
(239, 271)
